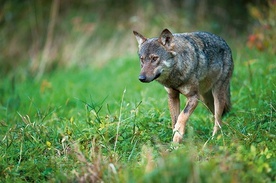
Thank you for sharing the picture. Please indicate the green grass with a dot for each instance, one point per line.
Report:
(104, 125)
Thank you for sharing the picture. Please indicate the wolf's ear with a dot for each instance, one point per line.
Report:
(165, 38)
(140, 39)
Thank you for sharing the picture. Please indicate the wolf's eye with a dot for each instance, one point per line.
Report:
(154, 59)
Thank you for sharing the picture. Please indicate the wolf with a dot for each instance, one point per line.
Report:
(198, 65)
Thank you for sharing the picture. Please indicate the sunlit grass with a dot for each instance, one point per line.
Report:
(104, 125)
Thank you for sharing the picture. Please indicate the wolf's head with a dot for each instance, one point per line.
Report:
(156, 56)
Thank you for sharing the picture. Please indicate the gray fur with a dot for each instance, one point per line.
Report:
(198, 65)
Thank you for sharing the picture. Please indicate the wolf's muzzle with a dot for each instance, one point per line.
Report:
(143, 78)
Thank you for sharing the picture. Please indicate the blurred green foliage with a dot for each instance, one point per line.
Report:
(82, 29)
(263, 35)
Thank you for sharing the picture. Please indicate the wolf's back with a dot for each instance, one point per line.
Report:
(205, 41)
(211, 52)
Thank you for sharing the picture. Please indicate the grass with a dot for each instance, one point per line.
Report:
(103, 125)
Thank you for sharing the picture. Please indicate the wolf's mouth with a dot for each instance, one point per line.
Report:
(157, 76)
(145, 79)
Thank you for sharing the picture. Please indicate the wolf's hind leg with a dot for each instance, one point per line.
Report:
(208, 99)
(221, 100)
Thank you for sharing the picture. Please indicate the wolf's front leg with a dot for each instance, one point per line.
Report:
(174, 104)
(179, 128)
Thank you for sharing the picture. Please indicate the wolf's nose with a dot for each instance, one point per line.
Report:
(142, 78)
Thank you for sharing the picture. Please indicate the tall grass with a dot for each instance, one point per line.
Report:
(103, 125)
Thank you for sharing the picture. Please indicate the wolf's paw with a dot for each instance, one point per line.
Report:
(177, 138)
(173, 146)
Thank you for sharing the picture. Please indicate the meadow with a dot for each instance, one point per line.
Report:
(73, 110)
(103, 125)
